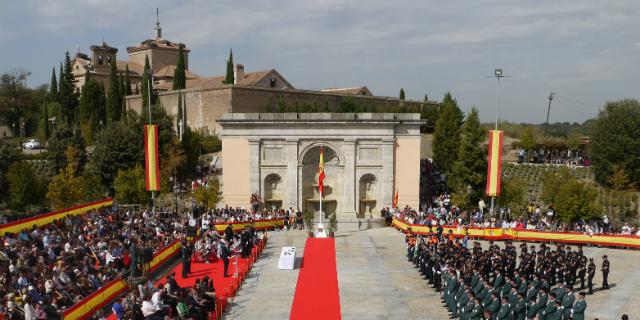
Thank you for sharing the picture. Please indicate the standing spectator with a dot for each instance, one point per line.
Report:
(605, 272)
(224, 255)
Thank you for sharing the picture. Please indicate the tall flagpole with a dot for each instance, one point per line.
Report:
(153, 193)
(320, 205)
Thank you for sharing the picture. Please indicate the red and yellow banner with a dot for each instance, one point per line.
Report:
(88, 306)
(43, 219)
(257, 224)
(577, 238)
(494, 163)
(321, 172)
(152, 163)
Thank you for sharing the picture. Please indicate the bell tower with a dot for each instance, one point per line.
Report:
(103, 56)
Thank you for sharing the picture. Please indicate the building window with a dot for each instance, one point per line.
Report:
(272, 82)
(100, 60)
(109, 60)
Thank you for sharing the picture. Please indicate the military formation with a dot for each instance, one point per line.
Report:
(496, 283)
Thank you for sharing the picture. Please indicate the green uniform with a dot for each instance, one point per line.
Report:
(578, 309)
(519, 310)
(567, 303)
(532, 309)
(504, 313)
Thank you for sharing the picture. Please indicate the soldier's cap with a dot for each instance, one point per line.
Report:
(582, 293)
(604, 257)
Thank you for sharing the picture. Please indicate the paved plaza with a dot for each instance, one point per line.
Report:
(377, 282)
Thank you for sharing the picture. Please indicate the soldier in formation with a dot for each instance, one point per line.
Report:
(476, 282)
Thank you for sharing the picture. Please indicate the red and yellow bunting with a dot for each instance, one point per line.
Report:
(526, 235)
(494, 163)
(151, 164)
(43, 219)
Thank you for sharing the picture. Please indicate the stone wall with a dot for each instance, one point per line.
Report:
(206, 105)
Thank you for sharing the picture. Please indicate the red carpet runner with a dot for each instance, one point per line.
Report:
(317, 295)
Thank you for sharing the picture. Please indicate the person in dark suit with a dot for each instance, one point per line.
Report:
(185, 252)
(591, 272)
(224, 255)
(228, 233)
(605, 272)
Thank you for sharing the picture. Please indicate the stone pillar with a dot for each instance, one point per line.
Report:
(291, 156)
(349, 205)
(254, 167)
(388, 166)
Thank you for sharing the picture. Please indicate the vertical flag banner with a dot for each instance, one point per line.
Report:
(151, 163)
(395, 200)
(494, 163)
(321, 172)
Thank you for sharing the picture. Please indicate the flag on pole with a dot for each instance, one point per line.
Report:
(321, 171)
(151, 163)
(395, 200)
(494, 163)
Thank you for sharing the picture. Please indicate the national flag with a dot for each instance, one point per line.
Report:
(395, 200)
(494, 163)
(151, 163)
(321, 171)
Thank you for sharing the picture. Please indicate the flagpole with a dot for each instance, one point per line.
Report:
(320, 206)
(153, 193)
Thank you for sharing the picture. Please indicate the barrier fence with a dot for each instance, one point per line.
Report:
(43, 219)
(624, 241)
(257, 224)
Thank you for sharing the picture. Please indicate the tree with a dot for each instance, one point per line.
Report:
(191, 144)
(401, 95)
(93, 186)
(179, 116)
(62, 138)
(16, 103)
(130, 186)
(127, 82)
(208, 196)
(92, 109)
(9, 154)
(229, 78)
(68, 95)
(114, 97)
(44, 122)
(471, 164)
(619, 180)
(576, 200)
(551, 183)
(528, 140)
(616, 141)
(179, 77)
(53, 88)
(147, 90)
(118, 147)
(25, 186)
(67, 188)
(446, 134)
(513, 195)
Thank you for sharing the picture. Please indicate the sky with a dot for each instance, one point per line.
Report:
(587, 52)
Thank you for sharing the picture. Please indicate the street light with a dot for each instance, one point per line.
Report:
(497, 73)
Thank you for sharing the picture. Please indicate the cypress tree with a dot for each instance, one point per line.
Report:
(230, 79)
(470, 168)
(68, 93)
(179, 115)
(53, 87)
(136, 90)
(184, 112)
(114, 108)
(100, 114)
(60, 78)
(401, 95)
(144, 91)
(446, 136)
(44, 122)
(179, 76)
(127, 82)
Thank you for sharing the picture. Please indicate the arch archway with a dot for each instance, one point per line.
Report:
(308, 165)
(273, 193)
(367, 194)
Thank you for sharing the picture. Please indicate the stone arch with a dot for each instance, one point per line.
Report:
(305, 153)
(367, 195)
(273, 191)
(308, 173)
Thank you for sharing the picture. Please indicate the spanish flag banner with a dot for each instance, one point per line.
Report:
(321, 171)
(395, 200)
(151, 163)
(494, 163)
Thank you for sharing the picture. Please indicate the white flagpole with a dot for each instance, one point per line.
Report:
(321, 204)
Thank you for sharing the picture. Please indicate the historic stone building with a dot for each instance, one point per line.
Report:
(162, 54)
(367, 157)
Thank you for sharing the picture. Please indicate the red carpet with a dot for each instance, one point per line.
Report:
(317, 295)
(225, 287)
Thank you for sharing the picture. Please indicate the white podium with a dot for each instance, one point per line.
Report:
(287, 258)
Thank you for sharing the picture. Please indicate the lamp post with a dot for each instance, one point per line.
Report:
(497, 73)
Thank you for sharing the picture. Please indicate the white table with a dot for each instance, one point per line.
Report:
(287, 258)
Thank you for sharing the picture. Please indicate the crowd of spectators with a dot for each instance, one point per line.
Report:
(44, 270)
(441, 211)
(564, 157)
